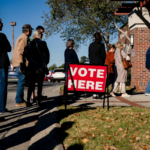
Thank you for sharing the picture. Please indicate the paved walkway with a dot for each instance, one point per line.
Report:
(136, 100)
(33, 128)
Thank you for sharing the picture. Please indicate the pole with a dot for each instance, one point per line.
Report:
(13, 35)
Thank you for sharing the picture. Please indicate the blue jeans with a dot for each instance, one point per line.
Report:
(148, 87)
(20, 86)
(3, 88)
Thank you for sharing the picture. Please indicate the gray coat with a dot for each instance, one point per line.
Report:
(121, 73)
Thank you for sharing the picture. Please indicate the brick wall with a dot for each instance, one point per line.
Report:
(139, 73)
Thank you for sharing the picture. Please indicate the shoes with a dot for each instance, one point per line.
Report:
(23, 104)
(95, 97)
(28, 104)
(112, 94)
(41, 97)
(125, 95)
(38, 103)
(33, 100)
(6, 111)
(147, 94)
(2, 119)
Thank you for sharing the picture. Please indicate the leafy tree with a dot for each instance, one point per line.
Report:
(62, 66)
(79, 19)
(83, 59)
(52, 67)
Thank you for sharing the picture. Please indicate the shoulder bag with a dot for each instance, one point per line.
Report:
(126, 64)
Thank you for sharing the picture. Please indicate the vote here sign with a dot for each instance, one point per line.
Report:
(87, 78)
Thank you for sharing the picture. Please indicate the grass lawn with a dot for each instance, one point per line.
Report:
(121, 128)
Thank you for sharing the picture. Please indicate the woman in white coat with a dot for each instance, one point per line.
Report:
(121, 73)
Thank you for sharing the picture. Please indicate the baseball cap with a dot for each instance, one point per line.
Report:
(28, 26)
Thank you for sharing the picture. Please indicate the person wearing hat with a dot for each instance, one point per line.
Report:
(19, 64)
(4, 64)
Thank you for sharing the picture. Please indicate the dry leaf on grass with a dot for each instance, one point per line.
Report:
(133, 136)
(113, 148)
(99, 115)
(93, 128)
(124, 135)
(93, 135)
(114, 111)
(147, 137)
(77, 114)
(107, 147)
(145, 122)
(85, 140)
(137, 139)
(102, 135)
(120, 129)
(131, 141)
(109, 138)
(107, 127)
(116, 133)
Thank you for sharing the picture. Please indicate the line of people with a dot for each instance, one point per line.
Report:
(30, 59)
(117, 75)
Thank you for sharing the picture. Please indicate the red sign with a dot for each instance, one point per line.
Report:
(87, 78)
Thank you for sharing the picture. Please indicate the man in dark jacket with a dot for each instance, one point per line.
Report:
(4, 64)
(147, 92)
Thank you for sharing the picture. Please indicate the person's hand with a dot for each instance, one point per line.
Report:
(20, 69)
(12, 68)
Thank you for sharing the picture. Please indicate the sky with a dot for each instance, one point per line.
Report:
(29, 12)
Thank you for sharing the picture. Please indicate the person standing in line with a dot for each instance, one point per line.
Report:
(36, 54)
(70, 57)
(97, 54)
(147, 91)
(33, 98)
(121, 72)
(19, 64)
(70, 54)
(110, 62)
(4, 64)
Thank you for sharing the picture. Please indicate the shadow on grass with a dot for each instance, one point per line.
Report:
(76, 147)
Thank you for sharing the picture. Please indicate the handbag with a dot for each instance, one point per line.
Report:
(46, 71)
(126, 64)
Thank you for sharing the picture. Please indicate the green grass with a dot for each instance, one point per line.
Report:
(121, 128)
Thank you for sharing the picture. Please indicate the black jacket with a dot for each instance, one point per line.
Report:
(97, 53)
(4, 48)
(70, 57)
(33, 56)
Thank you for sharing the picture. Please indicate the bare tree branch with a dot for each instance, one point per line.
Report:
(121, 30)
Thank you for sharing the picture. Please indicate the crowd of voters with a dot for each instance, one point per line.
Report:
(31, 56)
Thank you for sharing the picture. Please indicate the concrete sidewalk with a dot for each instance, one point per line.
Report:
(33, 128)
(136, 100)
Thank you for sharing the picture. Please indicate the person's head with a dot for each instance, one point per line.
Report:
(110, 48)
(70, 43)
(119, 45)
(37, 34)
(1, 24)
(41, 29)
(97, 37)
(27, 29)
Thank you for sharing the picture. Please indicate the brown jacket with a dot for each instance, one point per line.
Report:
(21, 43)
(110, 61)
